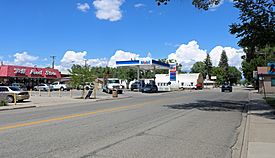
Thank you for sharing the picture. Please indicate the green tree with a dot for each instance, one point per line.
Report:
(223, 64)
(81, 74)
(263, 57)
(234, 75)
(256, 28)
(199, 67)
(219, 73)
(223, 61)
(208, 65)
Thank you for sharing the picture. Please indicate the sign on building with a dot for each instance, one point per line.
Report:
(271, 68)
(173, 71)
(145, 61)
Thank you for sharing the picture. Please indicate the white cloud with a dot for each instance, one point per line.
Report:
(83, 7)
(139, 5)
(233, 54)
(101, 62)
(72, 57)
(108, 9)
(121, 55)
(24, 59)
(188, 54)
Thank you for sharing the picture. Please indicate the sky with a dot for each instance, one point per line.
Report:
(103, 31)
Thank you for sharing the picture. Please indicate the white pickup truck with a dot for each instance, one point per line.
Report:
(112, 84)
(60, 86)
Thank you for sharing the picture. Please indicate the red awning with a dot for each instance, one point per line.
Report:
(30, 72)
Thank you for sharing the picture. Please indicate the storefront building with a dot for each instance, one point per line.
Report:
(266, 77)
(29, 76)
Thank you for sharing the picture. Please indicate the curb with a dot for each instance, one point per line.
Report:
(33, 106)
(23, 107)
(244, 148)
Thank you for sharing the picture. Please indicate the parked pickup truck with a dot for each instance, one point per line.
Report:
(60, 86)
(112, 84)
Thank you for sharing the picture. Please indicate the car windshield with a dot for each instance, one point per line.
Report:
(14, 88)
(113, 81)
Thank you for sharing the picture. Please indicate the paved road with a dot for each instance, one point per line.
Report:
(195, 124)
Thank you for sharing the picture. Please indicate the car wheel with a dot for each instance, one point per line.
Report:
(10, 99)
(44, 89)
(62, 89)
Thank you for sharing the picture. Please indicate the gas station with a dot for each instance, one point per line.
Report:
(143, 64)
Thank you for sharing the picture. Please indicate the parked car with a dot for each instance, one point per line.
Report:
(112, 83)
(199, 86)
(226, 87)
(136, 86)
(10, 91)
(21, 86)
(60, 86)
(149, 88)
(43, 87)
(87, 86)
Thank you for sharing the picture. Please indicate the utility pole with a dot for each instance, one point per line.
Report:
(85, 60)
(53, 58)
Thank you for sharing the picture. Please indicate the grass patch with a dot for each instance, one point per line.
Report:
(270, 101)
(3, 103)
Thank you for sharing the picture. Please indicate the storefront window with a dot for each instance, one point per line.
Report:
(273, 82)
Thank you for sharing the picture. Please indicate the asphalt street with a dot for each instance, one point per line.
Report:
(199, 124)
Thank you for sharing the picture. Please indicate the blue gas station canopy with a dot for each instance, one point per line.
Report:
(144, 64)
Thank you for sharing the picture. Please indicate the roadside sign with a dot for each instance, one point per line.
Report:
(271, 68)
(173, 71)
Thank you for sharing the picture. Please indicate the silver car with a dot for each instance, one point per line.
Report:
(11, 91)
(43, 87)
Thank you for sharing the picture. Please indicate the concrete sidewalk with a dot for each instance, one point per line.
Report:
(260, 142)
(44, 100)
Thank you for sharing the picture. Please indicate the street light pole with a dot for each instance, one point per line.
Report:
(85, 61)
(53, 58)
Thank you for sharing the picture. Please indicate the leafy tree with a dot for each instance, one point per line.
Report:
(199, 67)
(81, 75)
(234, 75)
(265, 56)
(223, 61)
(256, 29)
(219, 72)
(208, 65)
(223, 64)
(201, 4)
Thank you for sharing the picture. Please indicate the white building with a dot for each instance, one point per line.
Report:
(183, 81)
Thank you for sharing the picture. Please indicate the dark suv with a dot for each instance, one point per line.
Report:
(226, 87)
(149, 88)
(135, 86)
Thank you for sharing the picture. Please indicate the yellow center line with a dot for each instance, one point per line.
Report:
(63, 118)
(75, 115)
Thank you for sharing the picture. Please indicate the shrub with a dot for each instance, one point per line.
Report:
(3, 103)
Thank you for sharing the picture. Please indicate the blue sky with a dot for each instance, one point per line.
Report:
(51, 27)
